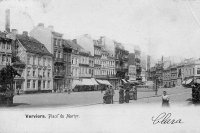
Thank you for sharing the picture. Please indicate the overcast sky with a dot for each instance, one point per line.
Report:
(159, 27)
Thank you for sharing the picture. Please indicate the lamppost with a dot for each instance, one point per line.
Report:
(156, 80)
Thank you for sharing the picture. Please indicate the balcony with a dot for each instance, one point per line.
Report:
(83, 64)
(59, 74)
(59, 60)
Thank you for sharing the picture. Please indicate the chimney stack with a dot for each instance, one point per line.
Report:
(41, 25)
(25, 33)
(51, 27)
(14, 31)
(7, 25)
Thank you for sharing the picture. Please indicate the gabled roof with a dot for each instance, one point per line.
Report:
(74, 45)
(32, 45)
(4, 37)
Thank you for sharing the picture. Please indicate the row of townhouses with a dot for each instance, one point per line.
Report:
(48, 62)
(174, 75)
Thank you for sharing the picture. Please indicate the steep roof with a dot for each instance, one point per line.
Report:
(32, 45)
(74, 45)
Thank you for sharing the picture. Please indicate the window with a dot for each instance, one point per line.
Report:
(33, 73)
(28, 72)
(58, 42)
(39, 72)
(43, 73)
(28, 83)
(8, 46)
(48, 84)
(28, 60)
(34, 60)
(44, 60)
(39, 60)
(43, 84)
(198, 70)
(33, 83)
(55, 54)
(54, 41)
(3, 45)
(89, 71)
(72, 60)
(7, 59)
(65, 57)
(48, 73)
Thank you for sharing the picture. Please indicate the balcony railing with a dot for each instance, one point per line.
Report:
(60, 60)
(59, 74)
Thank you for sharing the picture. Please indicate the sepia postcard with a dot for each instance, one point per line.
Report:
(99, 66)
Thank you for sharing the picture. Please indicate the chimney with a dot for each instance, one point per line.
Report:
(14, 31)
(51, 27)
(25, 33)
(7, 25)
(41, 25)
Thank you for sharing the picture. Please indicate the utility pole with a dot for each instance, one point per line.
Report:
(156, 93)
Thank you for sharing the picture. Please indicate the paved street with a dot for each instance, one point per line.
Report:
(177, 95)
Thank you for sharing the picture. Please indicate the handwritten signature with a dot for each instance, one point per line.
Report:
(165, 118)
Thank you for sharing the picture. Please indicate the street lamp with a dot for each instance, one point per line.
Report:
(156, 91)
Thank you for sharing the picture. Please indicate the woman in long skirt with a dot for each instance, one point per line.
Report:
(127, 96)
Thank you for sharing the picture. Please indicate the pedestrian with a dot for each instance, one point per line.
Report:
(106, 97)
(127, 96)
(18, 90)
(112, 91)
(165, 99)
(121, 94)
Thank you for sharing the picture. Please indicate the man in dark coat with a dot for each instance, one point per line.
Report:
(121, 94)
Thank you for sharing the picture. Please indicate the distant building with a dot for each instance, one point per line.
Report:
(97, 59)
(173, 75)
(84, 64)
(180, 73)
(167, 77)
(121, 61)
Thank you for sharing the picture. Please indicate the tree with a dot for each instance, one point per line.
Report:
(7, 75)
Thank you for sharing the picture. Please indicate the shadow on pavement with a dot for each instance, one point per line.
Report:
(192, 102)
(18, 104)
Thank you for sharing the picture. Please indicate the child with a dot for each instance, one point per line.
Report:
(165, 99)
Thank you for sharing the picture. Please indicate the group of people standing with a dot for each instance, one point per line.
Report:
(109, 94)
(123, 98)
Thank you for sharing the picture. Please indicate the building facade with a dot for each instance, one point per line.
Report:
(121, 61)
(97, 59)
(84, 64)
(173, 76)
(57, 46)
(167, 77)
(5, 50)
(37, 74)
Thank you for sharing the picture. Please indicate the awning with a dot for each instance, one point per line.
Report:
(75, 83)
(189, 81)
(124, 81)
(87, 82)
(183, 82)
(105, 82)
(94, 81)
